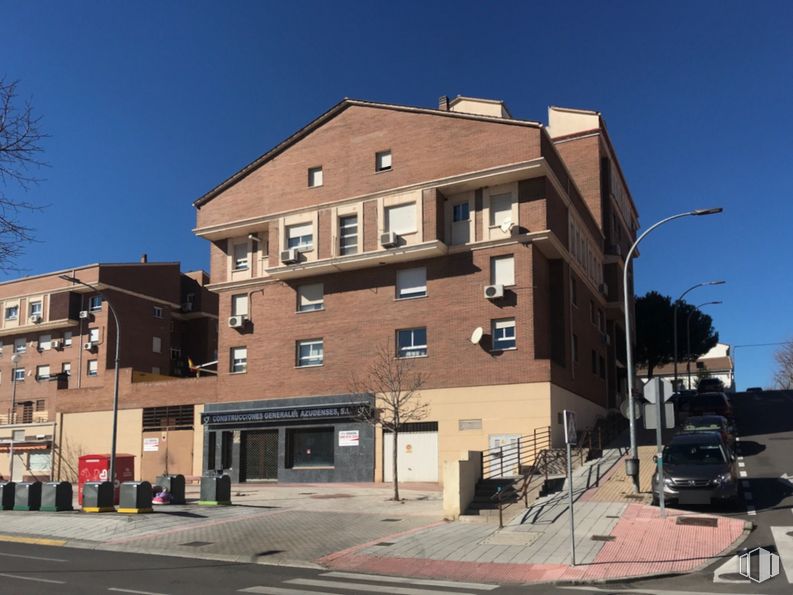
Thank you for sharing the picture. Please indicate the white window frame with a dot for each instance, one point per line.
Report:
(39, 375)
(19, 375)
(411, 283)
(45, 342)
(20, 345)
(12, 312)
(93, 335)
(405, 210)
(499, 329)
(36, 311)
(67, 338)
(383, 161)
(351, 248)
(239, 304)
(307, 304)
(416, 348)
(66, 368)
(493, 220)
(156, 344)
(93, 367)
(157, 312)
(303, 242)
(502, 274)
(239, 263)
(95, 303)
(238, 360)
(315, 356)
(316, 177)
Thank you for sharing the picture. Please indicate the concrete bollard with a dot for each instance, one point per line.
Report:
(215, 490)
(7, 495)
(135, 497)
(98, 496)
(175, 486)
(56, 496)
(27, 495)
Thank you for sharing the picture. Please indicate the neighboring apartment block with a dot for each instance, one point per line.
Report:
(381, 224)
(58, 350)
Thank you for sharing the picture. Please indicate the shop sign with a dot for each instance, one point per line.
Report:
(151, 444)
(349, 438)
(275, 415)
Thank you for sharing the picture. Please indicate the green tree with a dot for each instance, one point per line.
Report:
(654, 331)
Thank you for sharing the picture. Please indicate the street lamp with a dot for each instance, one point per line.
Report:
(115, 379)
(14, 360)
(680, 299)
(688, 338)
(632, 464)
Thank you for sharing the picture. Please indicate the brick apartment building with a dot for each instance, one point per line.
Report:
(58, 352)
(384, 223)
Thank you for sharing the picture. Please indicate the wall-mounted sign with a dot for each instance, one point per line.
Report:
(277, 415)
(151, 444)
(349, 438)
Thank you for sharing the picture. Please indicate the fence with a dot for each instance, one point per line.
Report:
(509, 460)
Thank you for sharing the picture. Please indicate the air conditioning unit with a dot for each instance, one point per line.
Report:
(56, 343)
(84, 314)
(389, 239)
(36, 318)
(604, 288)
(236, 321)
(187, 306)
(494, 291)
(89, 345)
(290, 256)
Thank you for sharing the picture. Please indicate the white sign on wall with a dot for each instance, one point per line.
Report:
(151, 444)
(349, 438)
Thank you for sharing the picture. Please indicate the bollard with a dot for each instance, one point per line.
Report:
(98, 496)
(27, 495)
(7, 495)
(135, 497)
(56, 496)
(175, 486)
(215, 490)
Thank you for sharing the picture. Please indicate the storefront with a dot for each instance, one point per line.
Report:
(301, 439)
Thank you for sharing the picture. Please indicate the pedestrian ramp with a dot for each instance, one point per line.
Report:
(335, 583)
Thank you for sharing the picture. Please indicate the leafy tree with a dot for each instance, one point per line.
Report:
(20, 147)
(654, 331)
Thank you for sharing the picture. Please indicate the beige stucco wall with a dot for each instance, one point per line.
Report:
(585, 412)
(459, 483)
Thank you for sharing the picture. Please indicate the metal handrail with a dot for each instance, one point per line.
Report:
(512, 457)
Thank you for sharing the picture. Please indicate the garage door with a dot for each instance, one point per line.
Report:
(417, 454)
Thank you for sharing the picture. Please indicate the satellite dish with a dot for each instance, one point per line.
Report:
(476, 336)
(506, 225)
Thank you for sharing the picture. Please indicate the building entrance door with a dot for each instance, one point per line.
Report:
(260, 455)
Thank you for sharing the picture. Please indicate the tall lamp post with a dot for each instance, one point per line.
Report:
(680, 299)
(112, 474)
(688, 338)
(632, 464)
(13, 416)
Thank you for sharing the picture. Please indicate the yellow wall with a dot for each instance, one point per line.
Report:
(585, 412)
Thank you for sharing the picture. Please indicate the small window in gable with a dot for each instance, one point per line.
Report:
(383, 161)
(314, 177)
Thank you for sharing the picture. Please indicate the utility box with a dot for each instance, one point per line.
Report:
(97, 496)
(215, 489)
(97, 468)
(175, 485)
(27, 495)
(136, 497)
(56, 496)
(7, 495)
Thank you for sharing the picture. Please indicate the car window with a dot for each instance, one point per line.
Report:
(694, 454)
(702, 425)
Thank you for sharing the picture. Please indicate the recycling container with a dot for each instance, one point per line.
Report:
(215, 489)
(135, 497)
(97, 468)
(56, 496)
(98, 496)
(7, 495)
(27, 495)
(175, 486)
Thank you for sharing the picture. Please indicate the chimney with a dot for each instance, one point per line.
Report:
(144, 258)
(443, 103)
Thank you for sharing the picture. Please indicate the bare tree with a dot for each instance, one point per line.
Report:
(20, 147)
(783, 377)
(396, 386)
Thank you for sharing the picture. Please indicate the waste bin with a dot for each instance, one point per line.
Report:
(98, 496)
(97, 468)
(27, 495)
(7, 495)
(135, 497)
(175, 486)
(56, 496)
(215, 489)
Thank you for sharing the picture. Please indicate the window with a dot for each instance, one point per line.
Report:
(35, 309)
(502, 270)
(575, 348)
(503, 332)
(310, 297)
(95, 303)
(411, 283)
(500, 209)
(573, 291)
(412, 342)
(348, 235)
(67, 338)
(176, 353)
(211, 447)
(168, 417)
(602, 367)
(41, 405)
(19, 374)
(314, 177)
(12, 312)
(239, 360)
(401, 219)
(601, 321)
(239, 304)
(157, 312)
(45, 342)
(42, 372)
(461, 226)
(382, 161)
(310, 352)
(226, 445)
(594, 362)
(240, 255)
(93, 367)
(20, 345)
(93, 335)
(66, 368)
(309, 447)
(460, 212)
(156, 344)
(300, 236)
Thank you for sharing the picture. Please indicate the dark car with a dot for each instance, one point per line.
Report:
(706, 404)
(754, 389)
(711, 423)
(710, 385)
(698, 469)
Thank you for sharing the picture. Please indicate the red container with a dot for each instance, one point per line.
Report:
(97, 468)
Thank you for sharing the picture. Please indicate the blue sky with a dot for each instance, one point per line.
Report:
(150, 104)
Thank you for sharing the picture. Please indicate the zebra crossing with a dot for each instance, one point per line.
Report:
(335, 583)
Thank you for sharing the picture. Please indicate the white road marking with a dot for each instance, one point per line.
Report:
(742, 473)
(740, 458)
(747, 495)
(120, 590)
(307, 582)
(593, 589)
(33, 557)
(751, 511)
(729, 567)
(402, 579)
(784, 547)
(745, 483)
(741, 465)
(33, 578)
(282, 591)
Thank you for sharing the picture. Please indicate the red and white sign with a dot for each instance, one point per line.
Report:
(349, 438)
